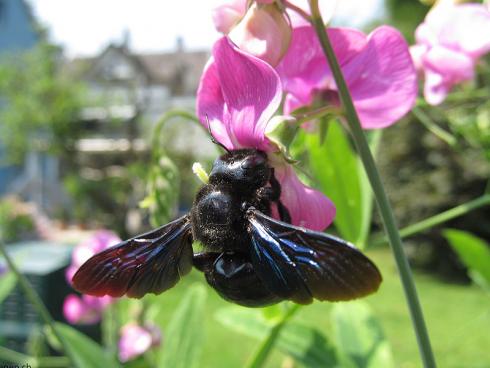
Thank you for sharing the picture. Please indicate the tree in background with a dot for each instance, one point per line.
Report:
(39, 102)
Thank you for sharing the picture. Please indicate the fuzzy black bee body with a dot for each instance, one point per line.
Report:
(248, 257)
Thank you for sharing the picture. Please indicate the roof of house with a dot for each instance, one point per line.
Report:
(166, 68)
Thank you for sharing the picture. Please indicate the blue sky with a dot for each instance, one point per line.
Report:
(84, 27)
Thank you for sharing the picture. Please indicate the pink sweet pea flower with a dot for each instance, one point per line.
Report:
(228, 15)
(449, 43)
(87, 308)
(136, 340)
(98, 242)
(377, 68)
(264, 32)
(239, 94)
(264, 29)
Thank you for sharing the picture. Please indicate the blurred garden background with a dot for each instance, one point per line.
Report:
(90, 142)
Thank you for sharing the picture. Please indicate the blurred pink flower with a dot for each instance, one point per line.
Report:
(378, 70)
(239, 94)
(136, 340)
(449, 43)
(87, 308)
(98, 242)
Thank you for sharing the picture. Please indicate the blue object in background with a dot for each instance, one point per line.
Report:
(18, 32)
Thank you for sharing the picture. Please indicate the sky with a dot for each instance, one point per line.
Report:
(85, 27)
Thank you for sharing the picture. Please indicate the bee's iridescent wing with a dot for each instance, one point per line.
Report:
(148, 263)
(302, 265)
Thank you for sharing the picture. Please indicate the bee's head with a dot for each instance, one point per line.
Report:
(244, 168)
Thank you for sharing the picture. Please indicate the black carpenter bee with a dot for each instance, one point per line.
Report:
(249, 258)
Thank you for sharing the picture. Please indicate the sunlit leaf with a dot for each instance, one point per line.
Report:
(307, 345)
(7, 284)
(341, 177)
(184, 335)
(474, 252)
(84, 350)
(360, 337)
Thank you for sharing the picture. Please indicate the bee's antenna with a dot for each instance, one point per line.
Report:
(212, 136)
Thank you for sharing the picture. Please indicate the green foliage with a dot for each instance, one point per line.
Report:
(86, 352)
(100, 201)
(13, 223)
(37, 101)
(359, 336)
(341, 177)
(162, 190)
(306, 344)
(183, 346)
(406, 15)
(470, 120)
(7, 284)
(474, 252)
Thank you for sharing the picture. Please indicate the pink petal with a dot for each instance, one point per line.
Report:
(239, 93)
(227, 15)
(104, 239)
(97, 303)
(382, 79)
(76, 310)
(308, 207)
(264, 32)
(211, 104)
(70, 272)
(444, 68)
(464, 28)
(134, 341)
(304, 67)
(417, 52)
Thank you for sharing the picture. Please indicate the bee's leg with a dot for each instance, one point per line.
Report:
(281, 208)
(204, 261)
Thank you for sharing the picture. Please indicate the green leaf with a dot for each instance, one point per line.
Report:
(184, 334)
(305, 344)
(359, 336)
(342, 178)
(7, 284)
(163, 190)
(474, 252)
(85, 351)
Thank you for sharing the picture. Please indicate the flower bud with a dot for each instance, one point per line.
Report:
(264, 32)
(226, 16)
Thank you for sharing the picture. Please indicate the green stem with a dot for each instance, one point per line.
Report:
(378, 190)
(36, 301)
(438, 219)
(20, 359)
(165, 118)
(13, 356)
(261, 354)
(316, 114)
(426, 121)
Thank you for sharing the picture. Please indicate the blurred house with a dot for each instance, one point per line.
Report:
(129, 92)
(18, 32)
